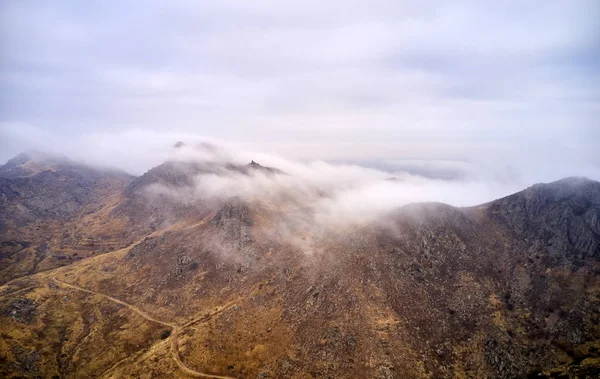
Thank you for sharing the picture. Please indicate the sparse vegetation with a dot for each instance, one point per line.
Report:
(165, 334)
(454, 299)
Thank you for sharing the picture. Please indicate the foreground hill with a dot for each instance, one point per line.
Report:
(42, 201)
(256, 287)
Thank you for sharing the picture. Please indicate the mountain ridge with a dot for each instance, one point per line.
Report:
(505, 289)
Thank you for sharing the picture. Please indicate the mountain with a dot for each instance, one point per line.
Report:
(233, 286)
(42, 202)
(564, 216)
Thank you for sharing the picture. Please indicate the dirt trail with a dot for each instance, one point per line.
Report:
(175, 328)
(132, 307)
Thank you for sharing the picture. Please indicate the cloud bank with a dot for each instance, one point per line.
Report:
(318, 195)
(489, 96)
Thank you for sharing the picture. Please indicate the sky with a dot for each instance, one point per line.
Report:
(510, 86)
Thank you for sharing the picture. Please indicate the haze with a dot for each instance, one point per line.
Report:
(497, 95)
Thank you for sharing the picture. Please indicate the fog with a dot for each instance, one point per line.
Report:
(316, 195)
(335, 188)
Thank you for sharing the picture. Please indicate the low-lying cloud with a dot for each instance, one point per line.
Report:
(311, 197)
(318, 195)
(475, 178)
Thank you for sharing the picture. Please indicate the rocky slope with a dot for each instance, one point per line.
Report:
(240, 288)
(42, 201)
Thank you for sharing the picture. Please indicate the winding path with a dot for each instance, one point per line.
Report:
(174, 327)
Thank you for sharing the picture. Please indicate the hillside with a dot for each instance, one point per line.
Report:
(43, 201)
(179, 282)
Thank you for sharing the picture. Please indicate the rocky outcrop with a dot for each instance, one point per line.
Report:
(21, 310)
(234, 224)
(564, 217)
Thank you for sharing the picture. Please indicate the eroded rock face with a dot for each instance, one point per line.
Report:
(232, 211)
(21, 310)
(564, 216)
(234, 223)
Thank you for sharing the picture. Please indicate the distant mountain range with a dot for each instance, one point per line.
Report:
(108, 275)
